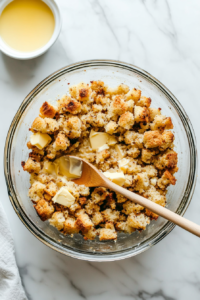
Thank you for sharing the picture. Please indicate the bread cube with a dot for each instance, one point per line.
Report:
(161, 123)
(130, 207)
(133, 94)
(126, 120)
(47, 110)
(152, 139)
(107, 234)
(138, 221)
(83, 222)
(44, 209)
(141, 114)
(144, 102)
(68, 104)
(110, 215)
(36, 191)
(70, 226)
(57, 220)
(61, 142)
(31, 166)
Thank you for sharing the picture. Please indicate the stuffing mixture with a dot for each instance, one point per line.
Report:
(116, 130)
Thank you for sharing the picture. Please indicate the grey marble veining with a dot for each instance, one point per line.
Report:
(161, 37)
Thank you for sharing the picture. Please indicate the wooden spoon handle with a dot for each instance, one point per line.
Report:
(159, 210)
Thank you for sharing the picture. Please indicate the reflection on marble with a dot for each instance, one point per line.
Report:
(161, 37)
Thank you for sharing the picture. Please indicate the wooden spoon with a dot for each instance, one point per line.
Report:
(92, 177)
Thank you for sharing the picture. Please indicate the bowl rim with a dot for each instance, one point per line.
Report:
(7, 50)
(99, 257)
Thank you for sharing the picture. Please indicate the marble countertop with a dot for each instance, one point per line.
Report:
(162, 37)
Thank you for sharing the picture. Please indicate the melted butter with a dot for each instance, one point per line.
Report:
(69, 167)
(64, 197)
(40, 140)
(26, 25)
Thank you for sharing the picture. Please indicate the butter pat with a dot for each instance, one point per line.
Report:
(40, 140)
(116, 177)
(119, 151)
(112, 140)
(75, 167)
(98, 139)
(69, 167)
(123, 163)
(104, 147)
(64, 197)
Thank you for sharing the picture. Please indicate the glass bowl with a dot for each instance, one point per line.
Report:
(53, 87)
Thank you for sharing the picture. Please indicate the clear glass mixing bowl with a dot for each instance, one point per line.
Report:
(52, 88)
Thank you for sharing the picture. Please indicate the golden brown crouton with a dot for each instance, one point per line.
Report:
(141, 182)
(120, 198)
(123, 226)
(36, 191)
(70, 226)
(155, 196)
(107, 234)
(128, 180)
(126, 120)
(133, 152)
(80, 91)
(90, 234)
(83, 190)
(120, 89)
(57, 220)
(138, 221)
(167, 140)
(118, 106)
(46, 125)
(133, 94)
(82, 200)
(51, 189)
(72, 127)
(110, 215)
(144, 102)
(99, 194)
(97, 218)
(154, 112)
(111, 127)
(102, 156)
(152, 139)
(98, 87)
(44, 209)
(141, 114)
(83, 222)
(51, 125)
(61, 142)
(161, 122)
(97, 108)
(38, 125)
(168, 160)
(91, 207)
(130, 105)
(68, 104)
(47, 110)
(166, 179)
(150, 170)
(130, 207)
(147, 155)
(31, 166)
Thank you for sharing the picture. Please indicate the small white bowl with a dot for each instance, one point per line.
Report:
(28, 55)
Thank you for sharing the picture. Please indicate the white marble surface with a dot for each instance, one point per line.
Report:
(161, 37)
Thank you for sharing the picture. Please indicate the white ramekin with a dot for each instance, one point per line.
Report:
(28, 55)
